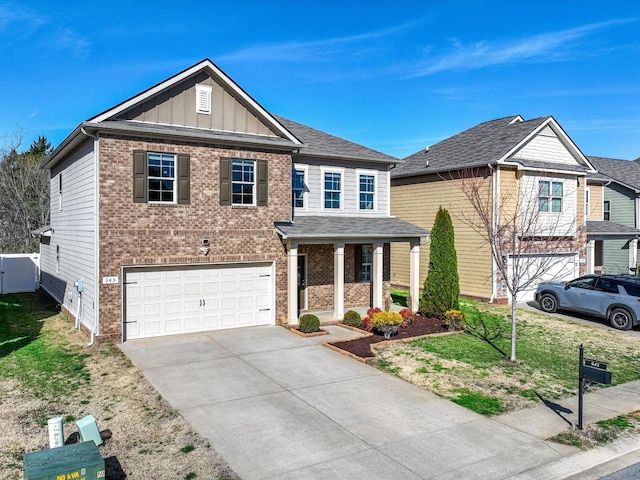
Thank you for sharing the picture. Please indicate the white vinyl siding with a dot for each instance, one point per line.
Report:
(73, 235)
(350, 189)
(546, 147)
(550, 222)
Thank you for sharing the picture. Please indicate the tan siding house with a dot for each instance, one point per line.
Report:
(530, 174)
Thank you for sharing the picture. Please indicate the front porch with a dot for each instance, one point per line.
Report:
(335, 264)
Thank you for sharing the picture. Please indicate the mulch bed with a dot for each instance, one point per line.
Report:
(361, 347)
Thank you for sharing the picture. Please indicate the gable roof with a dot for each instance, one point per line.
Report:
(491, 142)
(624, 172)
(323, 145)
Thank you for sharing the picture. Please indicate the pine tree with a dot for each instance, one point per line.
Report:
(441, 287)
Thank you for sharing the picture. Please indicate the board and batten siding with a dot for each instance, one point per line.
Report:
(177, 106)
(73, 223)
(417, 201)
(350, 187)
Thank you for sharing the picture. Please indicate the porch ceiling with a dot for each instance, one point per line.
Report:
(349, 229)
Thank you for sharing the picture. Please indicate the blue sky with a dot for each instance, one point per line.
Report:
(392, 75)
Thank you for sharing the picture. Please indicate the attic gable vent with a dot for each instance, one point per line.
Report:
(203, 99)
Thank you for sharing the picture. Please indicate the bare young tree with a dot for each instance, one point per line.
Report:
(24, 194)
(526, 223)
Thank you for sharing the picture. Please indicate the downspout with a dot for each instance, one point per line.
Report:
(95, 330)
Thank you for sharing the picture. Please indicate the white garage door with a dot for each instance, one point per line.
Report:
(556, 268)
(171, 300)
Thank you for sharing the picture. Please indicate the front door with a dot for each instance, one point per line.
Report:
(302, 282)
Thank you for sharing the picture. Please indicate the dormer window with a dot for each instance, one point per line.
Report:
(203, 99)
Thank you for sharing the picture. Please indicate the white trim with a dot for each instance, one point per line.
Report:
(306, 289)
(339, 170)
(377, 276)
(174, 178)
(96, 239)
(292, 287)
(254, 196)
(338, 281)
(219, 75)
(203, 99)
(374, 174)
(305, 195)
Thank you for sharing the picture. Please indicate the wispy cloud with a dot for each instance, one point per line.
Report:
(317, 50)
(546, 46)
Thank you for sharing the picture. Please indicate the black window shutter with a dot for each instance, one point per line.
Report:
(225, 181)
(139, 176)
(263, 182)
(358, 262)
(184, 189)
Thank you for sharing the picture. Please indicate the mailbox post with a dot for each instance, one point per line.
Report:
(590, 371)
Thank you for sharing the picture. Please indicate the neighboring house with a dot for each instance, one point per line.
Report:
(615, 232)
(528, 164)
(189, 207)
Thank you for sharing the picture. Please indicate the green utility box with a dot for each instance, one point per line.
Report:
(78, 461)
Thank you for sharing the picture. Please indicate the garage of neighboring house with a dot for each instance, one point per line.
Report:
(162, 300)
(560, 267)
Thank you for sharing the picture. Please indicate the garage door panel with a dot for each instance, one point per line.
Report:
(558, 268)
(165, 300)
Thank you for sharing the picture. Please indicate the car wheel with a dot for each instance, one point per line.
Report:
(620, 319)
(548, 303)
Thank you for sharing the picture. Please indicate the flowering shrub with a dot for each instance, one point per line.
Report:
(407, 317)
(372, 311)
(383, 318)
(368, 324)
(454, 320)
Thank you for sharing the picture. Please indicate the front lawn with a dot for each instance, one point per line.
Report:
(473, 368)
(46, 370)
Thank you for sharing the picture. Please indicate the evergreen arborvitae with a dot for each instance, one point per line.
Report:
(441, 287)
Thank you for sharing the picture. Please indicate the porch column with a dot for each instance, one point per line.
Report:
(292, 283)
(591, 257)
(376, 275)
(414, 275)
(338, 281)
(633, 253)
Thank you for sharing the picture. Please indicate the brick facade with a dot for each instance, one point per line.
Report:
(320, 278)
(164, 234)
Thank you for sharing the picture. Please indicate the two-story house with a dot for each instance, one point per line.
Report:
(526, 171)
(189, 207)
(613, 235)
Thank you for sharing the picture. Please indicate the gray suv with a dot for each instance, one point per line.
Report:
(614, 297)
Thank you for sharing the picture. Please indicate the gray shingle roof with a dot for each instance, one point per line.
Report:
(354, 227)
(604, 227)
(476, 147)
(323, 145)
(625, 172)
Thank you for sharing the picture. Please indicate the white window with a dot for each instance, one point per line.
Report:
(203, 99)
(299, 187)
(550, 196)
(332, 189)
(161, 177)
(243, 182)
(606, 210)
(367, 261)
(366, 190)
(587, 202)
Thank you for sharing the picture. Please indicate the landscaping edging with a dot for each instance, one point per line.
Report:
(312, 334)
(374, 359)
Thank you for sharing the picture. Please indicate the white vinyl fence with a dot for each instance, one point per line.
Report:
(19, 272)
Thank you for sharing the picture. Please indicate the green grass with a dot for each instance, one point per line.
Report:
(29, 354)
(546, 351)
(399, 297)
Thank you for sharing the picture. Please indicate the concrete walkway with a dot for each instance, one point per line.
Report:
(279, 406)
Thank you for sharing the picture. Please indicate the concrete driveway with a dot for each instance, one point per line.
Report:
(279, 406)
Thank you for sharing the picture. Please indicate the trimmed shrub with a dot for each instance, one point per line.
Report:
(454, 319)
(353, 319)
(309, 323)
(441, 287)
